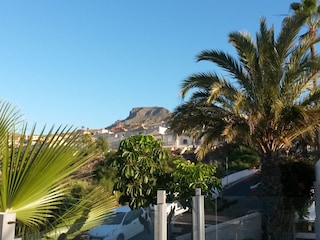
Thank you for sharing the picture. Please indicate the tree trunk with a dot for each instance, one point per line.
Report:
(277, 220)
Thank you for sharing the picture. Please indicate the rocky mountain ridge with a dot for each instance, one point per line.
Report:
(146, 116)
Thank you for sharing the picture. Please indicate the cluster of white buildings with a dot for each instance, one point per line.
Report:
(168, 138)
(117, 134)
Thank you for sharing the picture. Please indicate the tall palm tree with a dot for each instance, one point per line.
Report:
(37, 176)
(264, 101)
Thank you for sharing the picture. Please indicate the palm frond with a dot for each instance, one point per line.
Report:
(34, 177)
(201, 81)
(88, 212)
(225, 61)
(288, 35)
(10, 118)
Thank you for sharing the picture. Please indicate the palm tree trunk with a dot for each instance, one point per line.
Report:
(277, 220)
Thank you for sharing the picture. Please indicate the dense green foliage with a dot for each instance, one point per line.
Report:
(102, 144)
(297, 180)
(104, 173)
(143, 167)
(187, 176)
(241, 158)
(230, 158)
(141, 163)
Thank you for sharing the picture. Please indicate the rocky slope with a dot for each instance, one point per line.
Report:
(147, 116)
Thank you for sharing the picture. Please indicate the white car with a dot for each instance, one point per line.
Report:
(175, 206)
(123, 224)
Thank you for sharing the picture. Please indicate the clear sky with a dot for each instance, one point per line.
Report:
(89, 62)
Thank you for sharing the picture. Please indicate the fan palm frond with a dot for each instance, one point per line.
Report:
(88, 212)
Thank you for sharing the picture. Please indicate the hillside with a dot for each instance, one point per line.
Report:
(148, 116)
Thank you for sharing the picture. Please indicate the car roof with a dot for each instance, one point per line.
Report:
(123, 209)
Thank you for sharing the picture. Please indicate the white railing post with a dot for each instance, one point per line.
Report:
(160, 224)
(7, 225)
(198, 231)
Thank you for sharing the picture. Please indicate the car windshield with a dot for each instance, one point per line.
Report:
(115, 218)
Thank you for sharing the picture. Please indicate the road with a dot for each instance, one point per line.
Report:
(240, 198)
(242, 188)
(143, 236)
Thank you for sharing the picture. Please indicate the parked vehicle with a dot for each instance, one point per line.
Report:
(123, 224)
(175, 206)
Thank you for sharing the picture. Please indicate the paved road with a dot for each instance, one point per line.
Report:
(143, 236)
(237, 200)
(242, 188)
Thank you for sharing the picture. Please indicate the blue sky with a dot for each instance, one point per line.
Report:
(88, 63)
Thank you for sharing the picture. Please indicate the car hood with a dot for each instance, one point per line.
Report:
(103, 230)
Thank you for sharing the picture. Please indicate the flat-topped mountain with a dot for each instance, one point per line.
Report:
(147, 116)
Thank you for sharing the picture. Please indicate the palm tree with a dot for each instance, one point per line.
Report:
(265, 102)
(37, 176)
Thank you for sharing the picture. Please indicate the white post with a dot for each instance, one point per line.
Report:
(317, 199)
(7, 225)
(160, 225)
(198, 230)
